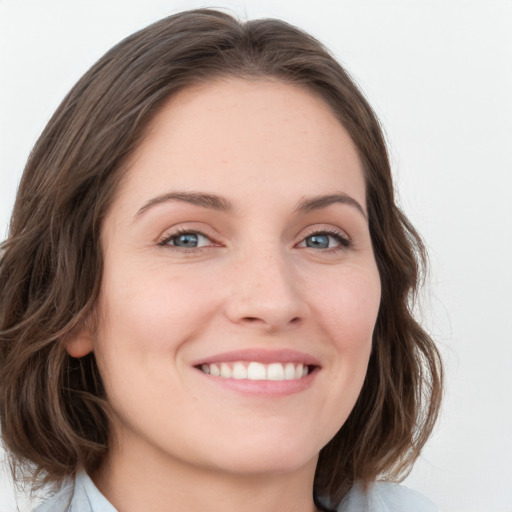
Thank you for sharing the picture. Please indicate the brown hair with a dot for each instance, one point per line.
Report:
(53, 412)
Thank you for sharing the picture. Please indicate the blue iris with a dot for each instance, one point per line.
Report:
(186, 240)
(318, 241)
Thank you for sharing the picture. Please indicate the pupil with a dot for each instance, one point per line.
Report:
(187, 240)
(318, 241)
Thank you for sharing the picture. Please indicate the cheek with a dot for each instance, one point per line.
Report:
(151, 309)
(346, 311)
(348, 307)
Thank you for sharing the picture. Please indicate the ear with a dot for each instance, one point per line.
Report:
(79, 342)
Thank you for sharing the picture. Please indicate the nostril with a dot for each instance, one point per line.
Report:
(256, 320)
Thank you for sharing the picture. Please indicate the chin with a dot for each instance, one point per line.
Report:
(268, 456)
(267, 464)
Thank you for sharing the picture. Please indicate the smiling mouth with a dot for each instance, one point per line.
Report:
(253, 370)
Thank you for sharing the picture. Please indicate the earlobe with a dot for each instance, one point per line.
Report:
(79, 344)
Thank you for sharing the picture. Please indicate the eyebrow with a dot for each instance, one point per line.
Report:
(318, 202)
(209, 201)
(214, 202)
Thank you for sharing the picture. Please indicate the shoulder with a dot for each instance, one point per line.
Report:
(59, 502)
(80, 495)
(385, 497)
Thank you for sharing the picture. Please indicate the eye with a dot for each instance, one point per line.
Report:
(325, 240)
(186, 240)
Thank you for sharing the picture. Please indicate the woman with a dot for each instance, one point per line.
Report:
(207, 285)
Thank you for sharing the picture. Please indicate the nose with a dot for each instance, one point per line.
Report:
(265, 293)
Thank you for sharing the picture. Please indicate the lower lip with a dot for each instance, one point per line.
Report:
(264, 387)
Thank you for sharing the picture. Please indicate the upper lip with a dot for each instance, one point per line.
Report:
(264, 356)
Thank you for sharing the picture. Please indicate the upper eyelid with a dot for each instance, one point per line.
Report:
(327, 229)
(186, 232)
(171, 232)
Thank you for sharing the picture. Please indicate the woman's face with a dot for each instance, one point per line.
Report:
(237, 244)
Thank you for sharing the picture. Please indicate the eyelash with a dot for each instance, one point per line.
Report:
(166, 242)
(343, 240)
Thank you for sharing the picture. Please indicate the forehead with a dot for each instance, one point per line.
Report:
(221, 136)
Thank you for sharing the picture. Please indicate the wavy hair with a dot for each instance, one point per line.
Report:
(53, 413)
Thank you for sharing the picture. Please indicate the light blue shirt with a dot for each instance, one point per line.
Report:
(84, 496)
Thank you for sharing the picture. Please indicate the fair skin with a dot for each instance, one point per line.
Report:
(237, 244)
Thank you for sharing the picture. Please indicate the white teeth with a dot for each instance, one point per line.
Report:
(239, 371)
(289, 371)
(214, 370)
(257, 371)
(275, 371)
(225, 371)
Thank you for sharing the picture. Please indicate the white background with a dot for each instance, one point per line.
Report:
(439, 74)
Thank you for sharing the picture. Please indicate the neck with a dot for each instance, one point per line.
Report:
(133, 481)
